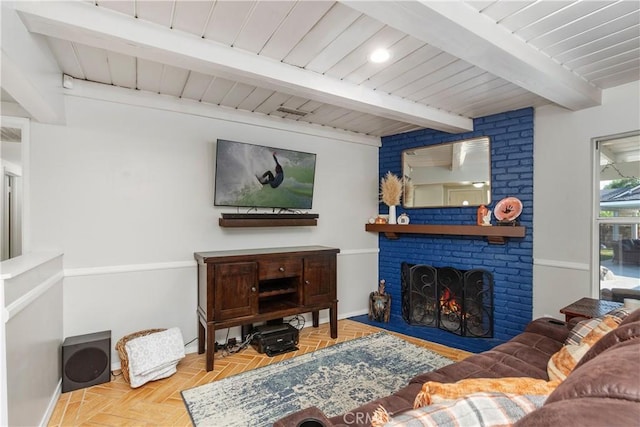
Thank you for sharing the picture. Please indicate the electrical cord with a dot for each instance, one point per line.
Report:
(237, 348)
(296, 211)
(297, 321)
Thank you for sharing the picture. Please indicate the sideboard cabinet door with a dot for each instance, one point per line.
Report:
(236, 290)
(319, 279)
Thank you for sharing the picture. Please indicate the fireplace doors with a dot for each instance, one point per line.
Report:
(457, 301)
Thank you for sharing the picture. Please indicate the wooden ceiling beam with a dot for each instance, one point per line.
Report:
(84, 23)
(29, 76)
(460, 30)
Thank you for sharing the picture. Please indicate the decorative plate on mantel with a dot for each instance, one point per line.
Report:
(508, 209)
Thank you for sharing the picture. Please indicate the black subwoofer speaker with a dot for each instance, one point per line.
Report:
(86, 360)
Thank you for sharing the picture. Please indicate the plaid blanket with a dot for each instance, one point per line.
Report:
(474, 410)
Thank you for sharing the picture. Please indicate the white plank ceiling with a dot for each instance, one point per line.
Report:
(308, 60)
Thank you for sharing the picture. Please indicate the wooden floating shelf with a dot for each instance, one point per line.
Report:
(263, 222)
(494, 234)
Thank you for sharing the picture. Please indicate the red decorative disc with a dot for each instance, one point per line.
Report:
(508, 209)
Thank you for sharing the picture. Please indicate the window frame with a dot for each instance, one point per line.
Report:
(597, 220)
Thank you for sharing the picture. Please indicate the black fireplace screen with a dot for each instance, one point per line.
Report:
(458, 301)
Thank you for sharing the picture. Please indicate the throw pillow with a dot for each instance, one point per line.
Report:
(435, 392)
(582, 328)
(564, 360)
(488, 409)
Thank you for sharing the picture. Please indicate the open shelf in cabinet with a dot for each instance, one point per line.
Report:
(274, 292)
(283, 286)
(273, 305)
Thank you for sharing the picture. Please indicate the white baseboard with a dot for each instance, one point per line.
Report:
(52, 405)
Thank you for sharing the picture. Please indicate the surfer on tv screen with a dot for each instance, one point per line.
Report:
(269, 178)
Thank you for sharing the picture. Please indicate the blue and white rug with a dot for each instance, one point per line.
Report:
(336, 379)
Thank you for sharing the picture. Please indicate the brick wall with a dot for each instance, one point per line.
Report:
(511, 136)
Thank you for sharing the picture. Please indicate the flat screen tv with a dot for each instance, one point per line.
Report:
(257, 176)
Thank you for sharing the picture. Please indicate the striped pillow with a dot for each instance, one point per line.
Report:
(564, 360)
(582, 328)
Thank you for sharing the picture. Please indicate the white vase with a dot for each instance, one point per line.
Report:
(392, 215)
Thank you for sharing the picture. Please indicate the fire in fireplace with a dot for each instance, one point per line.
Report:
(458, 301)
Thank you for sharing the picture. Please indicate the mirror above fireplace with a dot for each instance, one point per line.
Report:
(452, 174)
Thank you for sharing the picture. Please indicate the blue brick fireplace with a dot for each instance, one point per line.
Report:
(511, 264)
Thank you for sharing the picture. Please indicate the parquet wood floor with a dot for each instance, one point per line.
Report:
(159, 403)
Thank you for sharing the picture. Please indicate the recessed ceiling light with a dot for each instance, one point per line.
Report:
(379, 55)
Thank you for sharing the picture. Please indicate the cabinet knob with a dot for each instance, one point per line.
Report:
(281, 269)
(306, 282)
(253, 289)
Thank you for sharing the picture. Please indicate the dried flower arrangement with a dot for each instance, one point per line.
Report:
(390, 189)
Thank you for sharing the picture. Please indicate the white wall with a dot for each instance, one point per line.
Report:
(127, 194)
(30, 334)
(563, 193)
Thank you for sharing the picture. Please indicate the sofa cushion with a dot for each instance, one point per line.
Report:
(615, 373)
(525, 355)
(625, 332)
(549, 327)
(478, 409)
(633, 316)
(603, 388)
(588, 411)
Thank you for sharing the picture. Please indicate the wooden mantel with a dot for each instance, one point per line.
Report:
(494, 234)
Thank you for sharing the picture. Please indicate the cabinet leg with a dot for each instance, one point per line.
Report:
(211, 346)
(315, 317)
(201, 336)
(333, 320)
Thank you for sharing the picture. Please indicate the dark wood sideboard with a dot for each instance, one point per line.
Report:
(242, 287)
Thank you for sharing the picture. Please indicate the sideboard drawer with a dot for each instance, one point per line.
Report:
(278, 268)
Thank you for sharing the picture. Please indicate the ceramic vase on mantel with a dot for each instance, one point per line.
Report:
(392, 215)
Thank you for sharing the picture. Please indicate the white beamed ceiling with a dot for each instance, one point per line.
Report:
(451, 61)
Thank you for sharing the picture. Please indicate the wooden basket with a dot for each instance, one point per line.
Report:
(120, 347)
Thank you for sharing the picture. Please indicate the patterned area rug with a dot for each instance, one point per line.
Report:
(336, 379)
